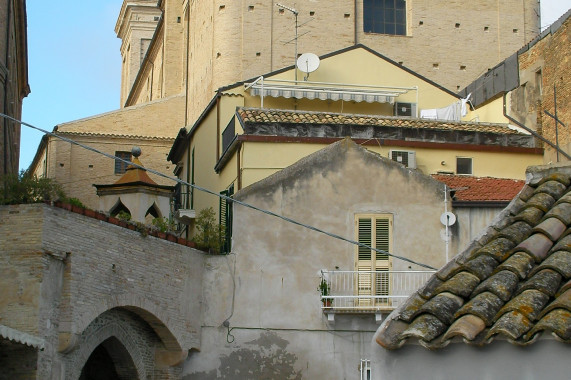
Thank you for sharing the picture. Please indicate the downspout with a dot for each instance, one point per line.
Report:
(6, 121)
(187, 65)
(217, 127)
(238, 163)
(532, 131)
(355, 18)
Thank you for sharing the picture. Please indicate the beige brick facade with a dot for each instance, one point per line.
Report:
(150, 126)
(450, 42)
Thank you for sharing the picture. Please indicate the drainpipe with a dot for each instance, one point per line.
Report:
(554, 146)
(6, 121)
(355, 19)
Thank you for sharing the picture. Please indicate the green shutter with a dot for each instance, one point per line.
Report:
(382, 238)
(225, 214)
(365, 237)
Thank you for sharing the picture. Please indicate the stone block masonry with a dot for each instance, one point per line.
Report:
(78, 282)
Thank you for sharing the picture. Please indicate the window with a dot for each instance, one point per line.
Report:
(384, 17)
(463, 165)
(226, 220)
(120, 166)
(374, 230)
(365, 369)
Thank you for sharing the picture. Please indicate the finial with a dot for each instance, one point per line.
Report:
(136, 151)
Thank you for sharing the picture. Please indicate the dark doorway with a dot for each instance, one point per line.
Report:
(109, 361)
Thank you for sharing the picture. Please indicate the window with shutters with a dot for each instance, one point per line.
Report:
(372, 282)
(384, 17)
(226, 220)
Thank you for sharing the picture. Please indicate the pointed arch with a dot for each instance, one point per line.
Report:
(154, 211)
(118, 207)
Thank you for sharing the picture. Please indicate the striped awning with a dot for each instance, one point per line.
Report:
(21, 337)
(324, 93)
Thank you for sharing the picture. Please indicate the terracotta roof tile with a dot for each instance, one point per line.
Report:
(514, 284)
(254, 115)
(468, 188)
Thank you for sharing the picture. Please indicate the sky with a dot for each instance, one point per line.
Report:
(74, 62)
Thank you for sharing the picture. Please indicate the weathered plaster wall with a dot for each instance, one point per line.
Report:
(470, 222)
(275, 310)
(545, 359)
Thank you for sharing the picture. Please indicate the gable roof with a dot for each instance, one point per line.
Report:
(514, 282)
(325, 159)
(481, 189)
(256, 115)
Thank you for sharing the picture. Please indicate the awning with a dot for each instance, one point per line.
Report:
(322, 94)
(21, 337)
(325, 91)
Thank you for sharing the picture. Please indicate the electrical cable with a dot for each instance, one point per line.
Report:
(222, 196)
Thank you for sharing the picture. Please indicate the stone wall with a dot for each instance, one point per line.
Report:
(76, 281)
(544, 68)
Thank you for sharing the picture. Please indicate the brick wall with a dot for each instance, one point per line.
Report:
(545, 65)
(65, 272)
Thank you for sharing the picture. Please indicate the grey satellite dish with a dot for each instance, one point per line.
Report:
(307, 63)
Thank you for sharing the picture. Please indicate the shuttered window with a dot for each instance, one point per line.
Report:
(225, 213)
(372, 266)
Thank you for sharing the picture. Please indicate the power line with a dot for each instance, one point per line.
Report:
(227, 198)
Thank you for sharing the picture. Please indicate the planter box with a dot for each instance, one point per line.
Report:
(90, 213)
(171, 238)
(77, 209)
(113, 220)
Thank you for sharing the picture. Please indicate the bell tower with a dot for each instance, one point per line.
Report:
(135, 27)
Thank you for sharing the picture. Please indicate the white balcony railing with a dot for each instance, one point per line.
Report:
(370, 290)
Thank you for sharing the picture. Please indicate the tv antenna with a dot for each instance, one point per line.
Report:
(295, 13)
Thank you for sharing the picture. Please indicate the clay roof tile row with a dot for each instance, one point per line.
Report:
(516, 284)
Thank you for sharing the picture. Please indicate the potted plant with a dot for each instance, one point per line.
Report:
(325, 289)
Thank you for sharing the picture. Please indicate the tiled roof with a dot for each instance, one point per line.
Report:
(135, 174)
(467, 188)
(254, 115)
(515, 282)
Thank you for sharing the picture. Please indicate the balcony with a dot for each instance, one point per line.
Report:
(369, 291)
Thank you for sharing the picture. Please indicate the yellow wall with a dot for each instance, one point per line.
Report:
(263, 159)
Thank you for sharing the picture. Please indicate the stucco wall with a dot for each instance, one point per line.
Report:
(545, 359)
(267, 287)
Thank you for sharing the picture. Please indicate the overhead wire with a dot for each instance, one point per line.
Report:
(222, 196)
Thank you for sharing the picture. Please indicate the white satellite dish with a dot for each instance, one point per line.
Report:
(307, 63)
(448, 218)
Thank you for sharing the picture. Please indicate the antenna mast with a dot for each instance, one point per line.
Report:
(295, 13)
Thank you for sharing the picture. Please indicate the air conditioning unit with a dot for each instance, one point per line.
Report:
(405, 109)
(405, 157)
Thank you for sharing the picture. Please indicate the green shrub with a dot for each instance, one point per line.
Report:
(74, 202)
(25, 188)
(208, 234)
(124, 215)
(163, 224)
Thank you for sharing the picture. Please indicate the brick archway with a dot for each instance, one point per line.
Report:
(129, 340)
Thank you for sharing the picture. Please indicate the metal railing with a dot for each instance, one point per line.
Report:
(369, 290)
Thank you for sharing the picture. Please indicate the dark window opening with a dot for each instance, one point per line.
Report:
(120, 166)
(384, 17)
(463, 165)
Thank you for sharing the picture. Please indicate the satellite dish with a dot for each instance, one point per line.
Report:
(307, 63)
(448, 218)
